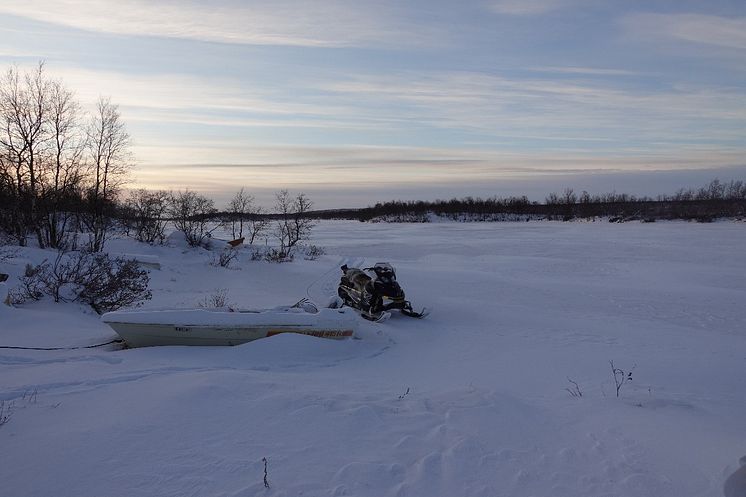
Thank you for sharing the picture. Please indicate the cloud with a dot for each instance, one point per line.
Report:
(461, 126)
(590, 71)
(526, 7)
(693, 28)
(387, 172)
(12, 54)
(7, 52)
(510, 113)
(185, 98)
(314, 23)
(304, 164)
(512, 108)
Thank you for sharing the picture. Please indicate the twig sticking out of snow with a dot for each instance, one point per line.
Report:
(6, 411)
(620, 376)
(575, 390)
(266, 481)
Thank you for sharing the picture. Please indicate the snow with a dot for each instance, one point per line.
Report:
(470, 401)
(228, 317)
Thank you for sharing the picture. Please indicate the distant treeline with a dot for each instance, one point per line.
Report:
(715, 200)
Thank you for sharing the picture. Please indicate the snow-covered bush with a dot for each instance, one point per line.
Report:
(257, 254)
(218, 299)
(405, 217)
(277, 255)
(31, 287)
(313, 252)
(224, 258)
(270, 254)
(104, 283)
(7, 253)
(109, 284)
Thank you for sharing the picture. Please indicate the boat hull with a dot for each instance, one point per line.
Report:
(157, 328)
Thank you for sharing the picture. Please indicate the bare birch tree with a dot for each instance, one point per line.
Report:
(64, 166)
(23, 109)
(191, 214)
(293, 225)
(108, 147)
(257, 224)
(245, 215)
(238, 208)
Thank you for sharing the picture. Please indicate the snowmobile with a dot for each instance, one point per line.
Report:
(374, 291)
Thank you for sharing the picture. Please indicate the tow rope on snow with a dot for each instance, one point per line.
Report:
(345, 260)
(117, 340)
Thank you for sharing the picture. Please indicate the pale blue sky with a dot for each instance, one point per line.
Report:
(355, 102)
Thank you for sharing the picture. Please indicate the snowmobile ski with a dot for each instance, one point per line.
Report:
(379, 318)
(414, 314)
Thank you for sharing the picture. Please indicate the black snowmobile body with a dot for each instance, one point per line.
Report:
(374, 291)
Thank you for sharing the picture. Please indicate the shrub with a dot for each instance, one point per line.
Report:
(147, 214)
(31, 287)
(258, 254)
(7, 253)
(109, 284)
(217, 299)
(313, 252)
(275, 255)
(103, 283)
(224, 258)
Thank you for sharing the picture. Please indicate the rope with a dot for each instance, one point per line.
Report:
(344, 260)
(117, 340)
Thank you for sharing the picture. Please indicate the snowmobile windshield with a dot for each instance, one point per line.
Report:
(384, 272)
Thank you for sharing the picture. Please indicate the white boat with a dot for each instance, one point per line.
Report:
(147, 328)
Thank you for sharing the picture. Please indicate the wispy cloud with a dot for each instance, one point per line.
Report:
(458, 108)
(7, 52)
(694, 28)
(514, 107)
(174, 97)
(512, 114)
(590, 71)
(319, 23)
(527, 7)
(385, 171)
(516, 89)
(528, 126)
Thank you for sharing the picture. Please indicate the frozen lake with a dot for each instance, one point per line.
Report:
(471, 401)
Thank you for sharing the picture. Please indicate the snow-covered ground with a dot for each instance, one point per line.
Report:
(470, 401)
